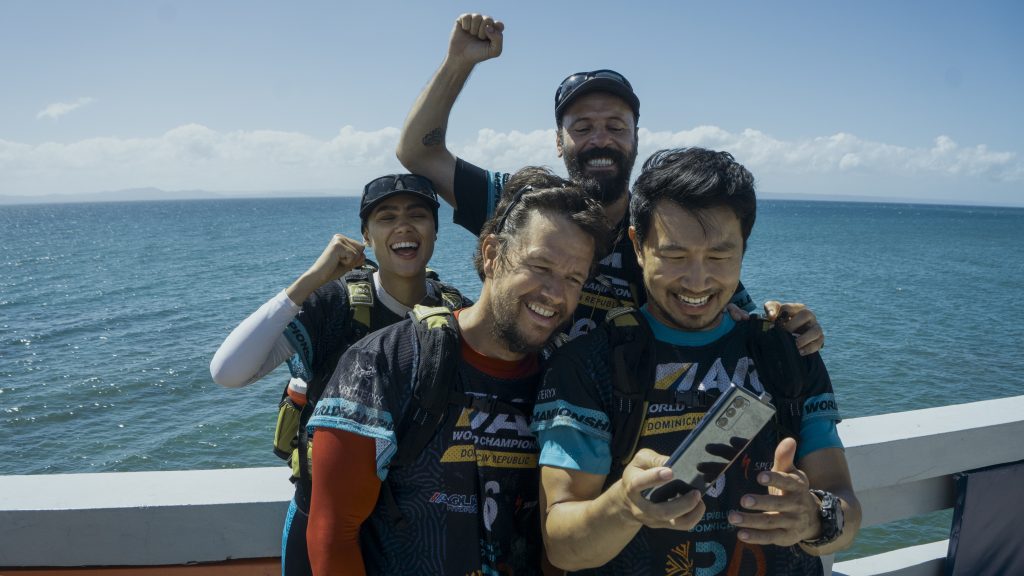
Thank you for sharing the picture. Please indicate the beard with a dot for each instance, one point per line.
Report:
(612, 186)
(505, 330)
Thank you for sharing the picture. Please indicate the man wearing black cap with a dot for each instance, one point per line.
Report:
(596, 114)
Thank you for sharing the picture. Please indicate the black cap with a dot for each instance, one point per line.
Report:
(387, 186)
(580, 83)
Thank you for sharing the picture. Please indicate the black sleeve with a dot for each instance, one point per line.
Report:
(319, 333)
(476, 193)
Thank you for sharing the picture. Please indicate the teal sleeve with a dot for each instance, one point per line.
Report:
(817, 434)
(565, 447)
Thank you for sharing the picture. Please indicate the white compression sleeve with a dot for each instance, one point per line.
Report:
(256, 346)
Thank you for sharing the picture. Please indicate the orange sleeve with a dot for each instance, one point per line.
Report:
(345, 490)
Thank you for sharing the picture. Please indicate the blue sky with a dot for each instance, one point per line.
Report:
(890, 100)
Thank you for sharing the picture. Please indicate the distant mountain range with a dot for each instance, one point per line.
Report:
(153, 194)
(144, 194)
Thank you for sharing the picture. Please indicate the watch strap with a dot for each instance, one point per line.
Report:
(831, 513)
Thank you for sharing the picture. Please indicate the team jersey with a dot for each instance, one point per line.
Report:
(572, 422)
(325, 326)
(470, 498)
(618, 279)
(324, 329)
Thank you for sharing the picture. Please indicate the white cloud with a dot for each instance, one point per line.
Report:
(843, 153)
(196, 157)
(58, 109)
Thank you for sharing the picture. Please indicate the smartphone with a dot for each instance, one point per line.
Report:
(724, 432)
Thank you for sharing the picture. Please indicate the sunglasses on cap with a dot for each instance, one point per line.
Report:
(508, 209)
(396, 182)
(574, 81)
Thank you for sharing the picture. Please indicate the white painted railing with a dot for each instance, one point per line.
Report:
(901, 464)
(142, 518)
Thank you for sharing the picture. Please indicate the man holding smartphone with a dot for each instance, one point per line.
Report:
(782, 503)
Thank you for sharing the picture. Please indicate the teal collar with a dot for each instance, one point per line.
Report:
(678, 337)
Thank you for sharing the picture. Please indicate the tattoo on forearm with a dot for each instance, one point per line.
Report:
(434, 138)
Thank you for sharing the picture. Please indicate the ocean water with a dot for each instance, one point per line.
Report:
(110, 313)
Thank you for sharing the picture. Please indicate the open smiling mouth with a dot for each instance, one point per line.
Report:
(540, 310)
(600, 163)
(405, 249)
(693, 301)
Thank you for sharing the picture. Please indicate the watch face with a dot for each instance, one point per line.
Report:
(831, 517)
(832, 512)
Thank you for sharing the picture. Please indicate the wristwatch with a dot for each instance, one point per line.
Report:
(831, 514)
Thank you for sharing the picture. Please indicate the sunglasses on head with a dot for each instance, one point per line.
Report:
(390, 183)
(573, 81)
(508, 209)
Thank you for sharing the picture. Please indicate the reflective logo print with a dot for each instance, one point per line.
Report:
(489, 458)
(474, 419)
(668, 374)
(597, 301)
(492, 459)
(474, 439)
(718, 378)
(301, 362)
(560, 413)
(464, 503)
(669, 424)
(341, 408)
(822, 406)
(460, 453)
(818, 406)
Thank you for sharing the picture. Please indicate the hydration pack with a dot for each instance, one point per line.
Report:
(290, 438)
